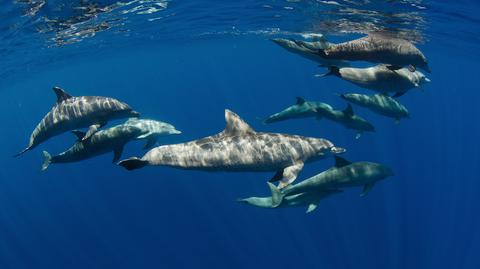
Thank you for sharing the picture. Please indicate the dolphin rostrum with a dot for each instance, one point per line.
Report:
(70, 113)
(380, 78)
(101, 142)
(378, 103)
(343, 174)
(309, 199)
(240, 148)
(153, 130)
(378, 48)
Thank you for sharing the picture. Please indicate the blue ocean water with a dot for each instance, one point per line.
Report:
(184, 63)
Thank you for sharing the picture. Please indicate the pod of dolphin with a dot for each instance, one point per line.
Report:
(240, 148)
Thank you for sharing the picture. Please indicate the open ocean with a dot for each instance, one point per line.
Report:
(185, 62)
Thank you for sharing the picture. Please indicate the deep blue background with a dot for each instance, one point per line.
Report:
(96, 215)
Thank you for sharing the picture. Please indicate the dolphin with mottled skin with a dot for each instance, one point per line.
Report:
(101, 142)
(240, 148)
(380, 78)
(309, 199)
(346, 118)
(343, 174)
(302, 109)
(70, 113)
(309, 50)
(379, 103)
(153, 130)
(378, 48)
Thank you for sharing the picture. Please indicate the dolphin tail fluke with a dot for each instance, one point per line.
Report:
(332, 71)
(47, 159)
(133, 163)
(277, 195)
(22, 152)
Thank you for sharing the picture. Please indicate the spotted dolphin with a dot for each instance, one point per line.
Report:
(110, 140)
(70, 113)
(309, 199)
(380, 78)
(343, 174)
(309, 50)
(301, 109)
(153, 130)
(346, 118)
(379, 103)
(240, 148)
(378, 48)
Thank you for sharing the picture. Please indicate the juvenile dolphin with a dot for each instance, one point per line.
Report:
(378, 48)
(309, 50)
(70, 113)
(380, 78)
(343, 174)
(153, 130)
(379, 103)
(302, 109)
(309, 199)
(240, 148)
(346, 118)
(101, 142)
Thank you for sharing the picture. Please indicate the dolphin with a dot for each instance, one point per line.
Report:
(343, 174)
(240, 148)
(302, 109)
(380, 78)
(379, 103)
(70, 113)
(153, 130)
(309, 199)
(346, 118)
(309, 50)
(101, 142)
(378, 48)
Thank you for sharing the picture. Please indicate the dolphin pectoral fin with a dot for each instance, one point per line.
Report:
(133, 163)
(117, 153)
(394, 67)
(311, 208)
(398, 94)
(278, 176)
(151, 141)
(412, 68)
(79, 134)
(91, 130)
(367, 188)
(290, 174)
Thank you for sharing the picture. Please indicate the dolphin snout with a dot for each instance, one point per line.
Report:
(134, 114)
(337, 150)
(177, 132)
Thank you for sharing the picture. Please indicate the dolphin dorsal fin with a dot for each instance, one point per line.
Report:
(61, 94)
(235, 124)
(79, 134)
(341, 162)
(348, 111)
(300, 101)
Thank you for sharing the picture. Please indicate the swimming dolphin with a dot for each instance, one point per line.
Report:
(309, 199)
(302, 109)
(101, 142)
(346, 118)
(343, 174)
(380, 78)
(379, 103)
(240, 148)
(378, 48)
(70, 113)
(309, 50)
(153, 130)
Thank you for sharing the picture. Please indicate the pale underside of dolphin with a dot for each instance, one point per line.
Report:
(70, 113)
(240, 148)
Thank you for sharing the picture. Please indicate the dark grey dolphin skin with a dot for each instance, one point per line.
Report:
(309, 50)
(153, 129)
(101, 142)
(70, 113)
(309, 199)
(343, 174)
(240, 148)
(346, 118)
(380, 78)
(302, 109)
(378, 48)
(379, 103)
